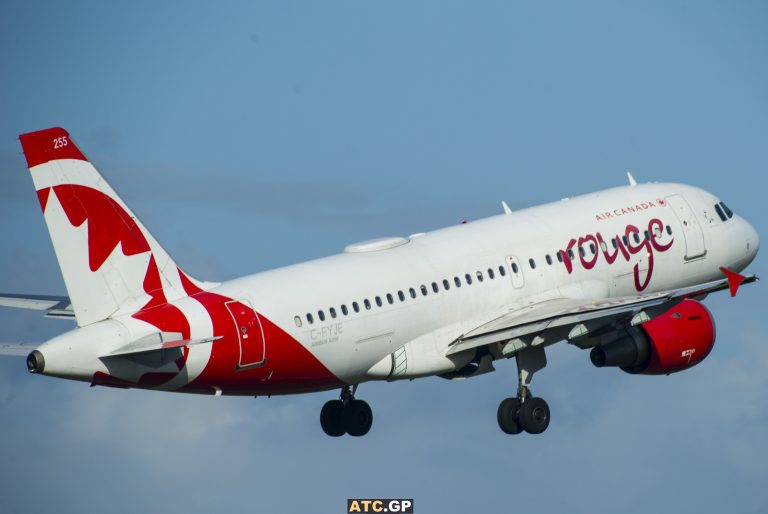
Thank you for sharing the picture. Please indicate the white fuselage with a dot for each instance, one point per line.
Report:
(314, 302)
(351, 344)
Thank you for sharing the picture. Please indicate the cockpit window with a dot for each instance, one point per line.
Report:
(728, 212)
(720, 212)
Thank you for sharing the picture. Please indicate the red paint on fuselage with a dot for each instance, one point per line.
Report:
(289, 366)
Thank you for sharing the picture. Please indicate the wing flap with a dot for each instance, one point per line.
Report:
(565, 312)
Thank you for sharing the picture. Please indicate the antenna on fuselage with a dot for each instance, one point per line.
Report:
(632, 181)
(506, 208)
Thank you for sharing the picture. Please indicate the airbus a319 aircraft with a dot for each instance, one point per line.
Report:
(620, 272)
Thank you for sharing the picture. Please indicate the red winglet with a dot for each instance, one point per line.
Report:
(734, 280)
(48, 145)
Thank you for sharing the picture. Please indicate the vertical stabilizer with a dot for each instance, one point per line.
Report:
(111, 264)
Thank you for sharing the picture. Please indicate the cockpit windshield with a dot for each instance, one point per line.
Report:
(723, 211)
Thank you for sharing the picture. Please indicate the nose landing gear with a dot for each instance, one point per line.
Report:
(525, 412)
(346, 415)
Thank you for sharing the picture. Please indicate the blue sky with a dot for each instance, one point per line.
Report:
(250, 135)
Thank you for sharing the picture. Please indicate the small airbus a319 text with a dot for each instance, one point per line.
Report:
(620, 272)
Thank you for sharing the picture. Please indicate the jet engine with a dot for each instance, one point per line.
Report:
(676, 340)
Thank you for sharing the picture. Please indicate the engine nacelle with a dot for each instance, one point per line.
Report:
(676, 340)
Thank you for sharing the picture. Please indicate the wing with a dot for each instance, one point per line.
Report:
(54, 306)
(573, 319)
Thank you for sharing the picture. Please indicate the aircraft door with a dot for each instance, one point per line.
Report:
(692, 232)
(515, 271)
(250, 334)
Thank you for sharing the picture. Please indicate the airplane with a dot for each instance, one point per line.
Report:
(619, 272)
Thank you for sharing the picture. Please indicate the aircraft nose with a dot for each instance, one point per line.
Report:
(753, 240)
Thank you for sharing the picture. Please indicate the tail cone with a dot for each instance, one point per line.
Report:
(35, 362)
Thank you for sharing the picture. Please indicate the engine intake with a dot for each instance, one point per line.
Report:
(676, 340)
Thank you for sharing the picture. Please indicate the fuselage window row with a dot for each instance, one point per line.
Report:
(722, 210)
(401, 296)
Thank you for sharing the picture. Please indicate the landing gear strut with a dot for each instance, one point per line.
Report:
(525, 412)
(346, 415)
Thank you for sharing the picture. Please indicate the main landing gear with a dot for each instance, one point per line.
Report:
(525, 412)
(346, 415)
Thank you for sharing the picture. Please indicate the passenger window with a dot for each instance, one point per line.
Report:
(647, 235)
(412, 291)
(592, 248)
(468, 278)
(603, 246)
(581, 251)
(728, 212)
(423, 290)
(560, 256)
(571, 254)
(502, 271)
(457, 281)
(614, 243)
(390, 300)
(446, 284)
(479, 275)
(669, 230)
(297, 320)
(720, 212)
(344, 310)
(310, 319)
(355, 307)
(332, 311)
(367, 304)
(321, 315)
(625, 240)
(515, 269)
(636, 237)
(549, 259)
(434, 287)
(491, 274)
(532, 263)
(378, 301)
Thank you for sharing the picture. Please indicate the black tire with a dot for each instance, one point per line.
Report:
(534, 415)
(507, 416)
(332, 418)
(358, 418)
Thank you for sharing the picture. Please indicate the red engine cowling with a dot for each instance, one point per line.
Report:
(676, 340)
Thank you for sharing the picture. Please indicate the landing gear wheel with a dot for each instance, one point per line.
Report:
(332, 418)
(534, 415)
(357, 417)
(507, 416)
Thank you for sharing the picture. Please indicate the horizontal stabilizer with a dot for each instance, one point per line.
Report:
(156, 342)
(16, 349)
(54, 306)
